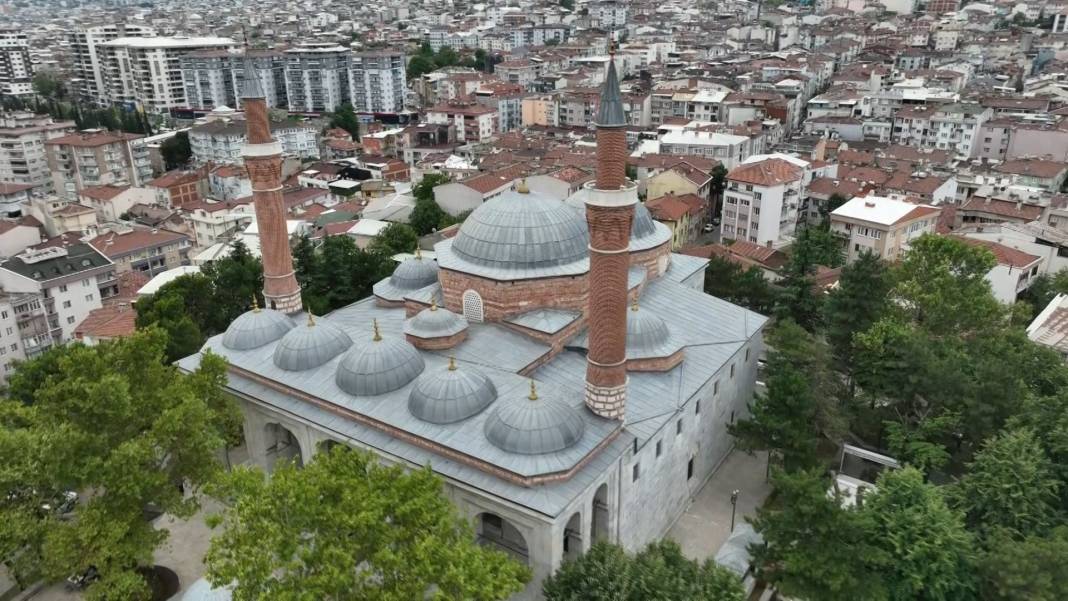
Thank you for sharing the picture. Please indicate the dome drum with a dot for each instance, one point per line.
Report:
(503, 299)
(436, 344)
(650, 343)
(656, 363)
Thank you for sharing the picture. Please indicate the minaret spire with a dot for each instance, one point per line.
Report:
(609, 213)
(263, 160)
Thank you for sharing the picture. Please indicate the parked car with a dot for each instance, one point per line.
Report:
(77, 582)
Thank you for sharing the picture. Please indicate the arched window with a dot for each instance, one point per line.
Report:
(472, 306)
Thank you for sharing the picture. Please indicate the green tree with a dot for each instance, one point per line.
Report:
(1047, 417)
(424, 190)
(427, 216)
(345, 118)
(111, 420)
(347, 527)
(176, 151)
(856, 304)
(929, 553)
(1031, 568)
(49, 84)
(567, 4)
(420, 65)
(30, 376)
(749, 288)
(719, 181)
(660, 571)
(395, 238)
(235, 279)
(1010, 486)
(168, 311)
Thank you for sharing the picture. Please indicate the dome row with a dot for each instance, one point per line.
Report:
(526, 426)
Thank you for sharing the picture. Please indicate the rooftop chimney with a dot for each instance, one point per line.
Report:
(263, 160)
(609, 212)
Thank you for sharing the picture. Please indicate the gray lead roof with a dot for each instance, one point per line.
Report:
(309, 345)
(435, 322)
(610, 111)
(255, 328)
(375, 367)
(451, 394)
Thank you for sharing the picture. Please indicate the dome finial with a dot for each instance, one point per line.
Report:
(452, 363)
(634, 304)
(434, 304)
(418, 253)
(521, 186)
(255, 305)
(533, 392)
(311, 319)
(378, 335)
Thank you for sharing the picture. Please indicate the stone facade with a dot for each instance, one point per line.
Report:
(501, 299)
(436, 344)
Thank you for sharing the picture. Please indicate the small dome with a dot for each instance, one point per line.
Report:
(534, 425)
(383, 365)
(522, 230)
(647, 334)
(435, 322)
(644, 224)
(310, 345)
(255, 328)
(450, 395)
(412, 274)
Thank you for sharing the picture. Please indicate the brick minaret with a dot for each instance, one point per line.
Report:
(263, 159)
(609, 211)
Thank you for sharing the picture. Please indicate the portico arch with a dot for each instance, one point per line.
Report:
(599, 526)
(573, 537)
(495, 531)
(282, 446)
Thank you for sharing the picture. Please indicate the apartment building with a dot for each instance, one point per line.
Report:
(214, 222)
(762, 201)
(24, 331)
(474, 122)
(212, 78)
(147, 71)
(96, 158)
(728, 149)
(70, 280)
(954, 127)
(87, 66)
(16, 71)
(149, 251)
(317, 77)
(519, 71)
(881, 225)
(609, 15)
(507, 99)
(22, 149)
(378, 81)
(221, 141)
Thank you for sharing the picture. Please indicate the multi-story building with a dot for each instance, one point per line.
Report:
(22, 150)
(147, 250)
(761, 202)
(609, 15)
(881, 225)
(507, 99)
(16, 71)
(474, 122)
(221, 141)
(378, 81)
(728, 149)
(87, 67)
(70, 280)
(953, 127)
(317, 77)
(213, 222)
(96, 158)
(147, 72)
(212, 77)
(24, 331)
(939, 7)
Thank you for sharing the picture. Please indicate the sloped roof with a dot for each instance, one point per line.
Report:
(765, 173)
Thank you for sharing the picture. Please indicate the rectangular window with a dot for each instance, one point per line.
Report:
(635, 471)
(66, 304)
(70, 319)
(635, 446)
(10, 331)
(689, 469)
(659, 447)
(678, 427)
(88, 298)
(715, 387)
(3, 314)
(697, 408)
(14, 347)
(747, 355)
(732, 417)
(63, 288)
(85, 283)
(732, 370)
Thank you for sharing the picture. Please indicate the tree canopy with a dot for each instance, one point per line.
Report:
(111, 420)
(176, 151)
(337, 273)
(346, 527)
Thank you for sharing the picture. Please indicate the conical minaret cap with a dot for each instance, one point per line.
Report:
(610, 112)
(251, 88)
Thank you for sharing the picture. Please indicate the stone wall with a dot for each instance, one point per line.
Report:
(504, 299)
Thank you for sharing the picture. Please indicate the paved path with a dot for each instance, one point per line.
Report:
(706, 523)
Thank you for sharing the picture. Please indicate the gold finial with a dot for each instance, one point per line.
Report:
(521, 186)
(452, 363)
(533, 392)
(634, 304)
(434, 304)
(311, 319)
(418, 253)
(255, 305)
(377, 336)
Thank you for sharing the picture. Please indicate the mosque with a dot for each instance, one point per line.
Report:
(557, 366)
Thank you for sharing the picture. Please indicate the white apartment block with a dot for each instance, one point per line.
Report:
(214, 222)
(728, 149)
(609, 15)
(317, 77)
(762, 200)
(474, 122)
(87, 68)
(70, 281)
(147, 72)
(953, 127)
(22, 149)
(97, 158)
(378, 81)
(881, 226)
(24, 331)
(214, 78)
(16, 72)
(221, 141)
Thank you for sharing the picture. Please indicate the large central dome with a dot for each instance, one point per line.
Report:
(520, 230)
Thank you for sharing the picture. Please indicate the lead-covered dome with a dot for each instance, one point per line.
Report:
(435, 322)
(411, 274)
(450, 395)
(521, 231)
(647, 334)
(534, 425)
(255, 328)
(310, 345)
(383, 365)
(645, 232)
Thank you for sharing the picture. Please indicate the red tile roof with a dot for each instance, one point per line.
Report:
(112, 244)
(1002, 208)
(112, 321)
(105, 192)
(89, 140)
(672, 208)
(769, 172)
(1005, 255)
